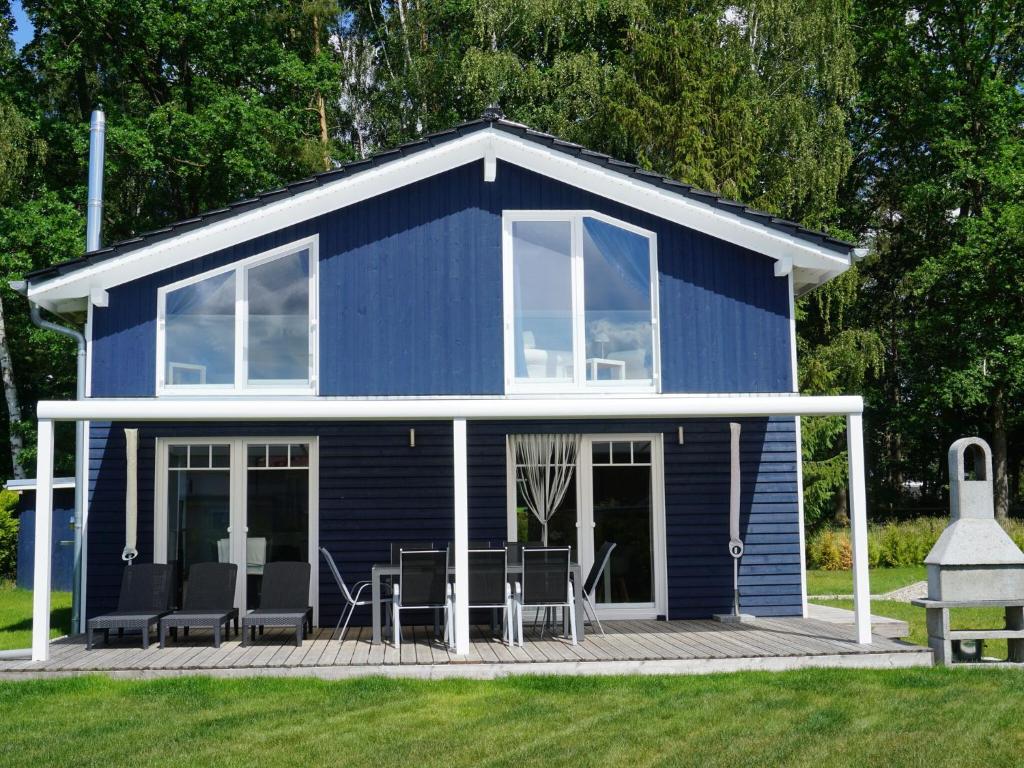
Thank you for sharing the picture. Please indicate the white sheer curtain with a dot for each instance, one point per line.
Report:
(547, 464)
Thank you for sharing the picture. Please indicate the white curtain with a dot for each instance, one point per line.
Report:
(547, 464)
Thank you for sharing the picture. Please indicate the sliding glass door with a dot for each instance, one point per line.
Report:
(277, 509)
(198, 508)
(616, 495)
(247, 501)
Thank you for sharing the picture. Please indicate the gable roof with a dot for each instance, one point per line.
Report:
(492, 137)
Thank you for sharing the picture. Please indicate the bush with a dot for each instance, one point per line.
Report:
(8, 535)
(890, 545)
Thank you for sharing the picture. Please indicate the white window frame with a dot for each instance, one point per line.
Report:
(579, 384)
(585, 517)
(238, 469)
(241, 385)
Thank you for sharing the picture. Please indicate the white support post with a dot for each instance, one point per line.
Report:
(44, 537)
(859, 526)
(461, 537)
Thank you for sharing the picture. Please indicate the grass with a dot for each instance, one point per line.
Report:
(818, 718)
(882, 580)
(960, 618)
(16, 616)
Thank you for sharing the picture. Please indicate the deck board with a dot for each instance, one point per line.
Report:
(777, 642)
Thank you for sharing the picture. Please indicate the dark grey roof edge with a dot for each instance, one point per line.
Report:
(346, 170)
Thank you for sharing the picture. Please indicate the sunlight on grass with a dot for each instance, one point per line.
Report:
(882, 580)
(816, 718)
(16, 616)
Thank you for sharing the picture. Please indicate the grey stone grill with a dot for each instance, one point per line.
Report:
(974, 558)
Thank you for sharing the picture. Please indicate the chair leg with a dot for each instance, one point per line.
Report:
(88, 639)
(145, 637)
(587, 603)
(163, 635)
(344, 629)
(396, 629)
(570, 608)
(216, 636)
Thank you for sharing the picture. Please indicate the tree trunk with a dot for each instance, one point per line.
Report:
(1001, 484)
(321, 109)
(11, 396)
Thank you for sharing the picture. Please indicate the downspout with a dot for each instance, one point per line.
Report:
(93, 221)
(80, 465)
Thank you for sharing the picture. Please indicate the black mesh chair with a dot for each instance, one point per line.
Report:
(209, 602)
(145, 597)
(489, 587)
(284, 601)
(422, 583)
(398, 547)
(545, 584)
(596, 571)
(353, 596)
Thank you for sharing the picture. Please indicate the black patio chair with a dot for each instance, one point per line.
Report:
(397, 547)
(545, 584)
(145, 597)
(284, 601)
(352, 596)
(604, 554)
(422, 583)
(209, 602)
(489, 587)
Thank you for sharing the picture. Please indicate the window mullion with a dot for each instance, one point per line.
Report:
(241, 328)
(579, 319)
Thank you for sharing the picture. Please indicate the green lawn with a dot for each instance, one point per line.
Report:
(882, 580)
(960, 618)
(815, 718)
(16, 616)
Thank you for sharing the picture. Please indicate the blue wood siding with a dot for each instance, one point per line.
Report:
(374, 489)
(411, 299)
(62, 551)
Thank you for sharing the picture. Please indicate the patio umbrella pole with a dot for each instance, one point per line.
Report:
(735, 542)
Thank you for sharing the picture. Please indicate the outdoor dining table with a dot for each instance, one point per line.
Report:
(515, 572)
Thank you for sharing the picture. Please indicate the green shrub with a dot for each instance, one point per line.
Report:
(8, 534)
(890, 545)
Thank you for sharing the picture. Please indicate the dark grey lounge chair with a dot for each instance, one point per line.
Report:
(209, 602)
(284, 601)
(145, 598)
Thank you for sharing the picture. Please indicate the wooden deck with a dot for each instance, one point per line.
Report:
(630, 647)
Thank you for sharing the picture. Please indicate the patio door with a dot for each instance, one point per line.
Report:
(617, 494)
(248, 501)
(622, 501)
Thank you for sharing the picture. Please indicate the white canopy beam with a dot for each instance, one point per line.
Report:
(44, 538)
(461, 537)
(859, 527)
(389, 409)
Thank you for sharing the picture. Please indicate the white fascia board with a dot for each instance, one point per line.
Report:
(414, 408)
(483, 144)
(262, 220)
(667, 205)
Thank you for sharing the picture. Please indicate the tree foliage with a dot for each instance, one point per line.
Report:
(897, 124)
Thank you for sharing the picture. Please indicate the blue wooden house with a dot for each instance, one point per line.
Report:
(353, 359)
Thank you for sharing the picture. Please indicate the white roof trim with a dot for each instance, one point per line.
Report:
(427, 408)
(92, 280)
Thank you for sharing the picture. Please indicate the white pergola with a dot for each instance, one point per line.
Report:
(459, 411)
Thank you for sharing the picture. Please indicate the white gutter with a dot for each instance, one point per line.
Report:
(343, 409)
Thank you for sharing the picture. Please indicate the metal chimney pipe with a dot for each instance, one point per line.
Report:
(94, 211)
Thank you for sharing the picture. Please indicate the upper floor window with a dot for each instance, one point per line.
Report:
(580, 303)
(247, 327)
